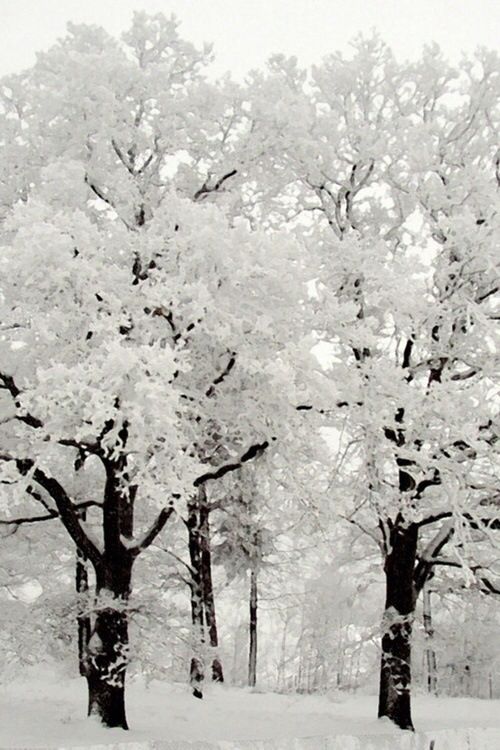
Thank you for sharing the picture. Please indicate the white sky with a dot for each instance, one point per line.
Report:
(246, 32)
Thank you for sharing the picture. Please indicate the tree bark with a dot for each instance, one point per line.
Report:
(252, 653)
(108, 645)
(395, 668)
(83, 616)
(107, 648)
(430, 653)
(207, 588)
(196, 669)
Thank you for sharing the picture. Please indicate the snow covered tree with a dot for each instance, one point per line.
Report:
(121, 374)
(131, 316)
(163, 240)
(426, 353)
(390, 175)
(244, 544)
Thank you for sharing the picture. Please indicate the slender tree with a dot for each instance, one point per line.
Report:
(252, 630)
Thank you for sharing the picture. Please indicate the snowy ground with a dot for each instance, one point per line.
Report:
(36, 712)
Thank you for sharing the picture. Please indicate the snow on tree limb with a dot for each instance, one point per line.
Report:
(67, 510)
(253, 452)
(206, 189)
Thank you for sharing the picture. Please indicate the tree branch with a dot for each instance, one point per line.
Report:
(338, 404)
(150, 535)
(427, 560)
(121, 157)
(7, 382)
(489, 587)
(48, 516)
(407, 352)
(446, 563)
(434, 519)
(102, 196)
(204, 190)
(188, 567)
(253, 452)
(223, 375)
(10, 385)
(422, 486)
(67, 511)
(464, 375)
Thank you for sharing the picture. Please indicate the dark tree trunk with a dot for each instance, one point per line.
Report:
(196, 670)
(107, 667)
(207, 588)
(108, 645)
(83, 616)
(395, 669)
(252, 652)
(107, 648)
(430, 653)
(83, 621)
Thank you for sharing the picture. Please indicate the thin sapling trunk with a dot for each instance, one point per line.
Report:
(252, 652)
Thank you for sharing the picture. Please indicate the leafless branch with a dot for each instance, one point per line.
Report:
(150, 535)
(48, 516)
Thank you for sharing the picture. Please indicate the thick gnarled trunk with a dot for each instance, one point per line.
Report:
(108, 645)
(107, 663)
(395, 668)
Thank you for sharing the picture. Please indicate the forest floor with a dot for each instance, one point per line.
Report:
(37, 711)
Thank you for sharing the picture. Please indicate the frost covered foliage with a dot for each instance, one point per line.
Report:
(393, 186)
(147, 348)
(120, 344)
(462, 638)
(131, 315)
(172, 253)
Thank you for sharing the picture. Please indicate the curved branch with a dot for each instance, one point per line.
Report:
(253, 452)
(429, 558)
(205, 189)
(150, 535)
(68, 512)
(434, 518)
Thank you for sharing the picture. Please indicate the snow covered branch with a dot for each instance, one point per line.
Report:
(253, 452)
(8, 383)
(430, 556)
(67, 510)
(223, 375)
(205, 189)
(434, 518)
